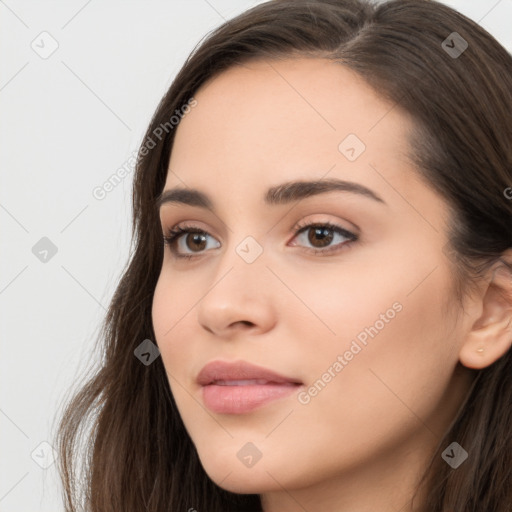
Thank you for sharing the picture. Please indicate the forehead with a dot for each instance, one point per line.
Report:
(268, 121)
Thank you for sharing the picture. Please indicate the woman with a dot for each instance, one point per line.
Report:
(327, 323)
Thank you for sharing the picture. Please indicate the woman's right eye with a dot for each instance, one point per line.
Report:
(175, 237)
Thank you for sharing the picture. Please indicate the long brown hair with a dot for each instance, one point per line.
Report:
(137, 455)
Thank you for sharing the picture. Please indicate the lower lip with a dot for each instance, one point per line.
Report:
(241, 399)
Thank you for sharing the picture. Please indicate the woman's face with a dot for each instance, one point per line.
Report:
(363, 326)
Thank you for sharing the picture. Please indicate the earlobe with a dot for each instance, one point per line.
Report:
(485, 346)
(491, 335)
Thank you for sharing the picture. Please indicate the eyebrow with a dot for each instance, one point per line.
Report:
(278, 195)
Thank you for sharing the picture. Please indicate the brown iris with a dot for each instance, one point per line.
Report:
(324, 235)
(196, 238)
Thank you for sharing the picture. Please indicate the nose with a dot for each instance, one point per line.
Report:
(240, 298)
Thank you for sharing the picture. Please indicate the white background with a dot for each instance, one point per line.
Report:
(67, 124)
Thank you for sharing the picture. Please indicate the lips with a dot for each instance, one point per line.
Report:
(224, 373)
(239, 387)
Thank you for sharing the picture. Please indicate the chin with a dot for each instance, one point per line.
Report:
(232, 475)
(246, 482)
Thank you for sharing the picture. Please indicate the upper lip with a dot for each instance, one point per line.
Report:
(239, 370)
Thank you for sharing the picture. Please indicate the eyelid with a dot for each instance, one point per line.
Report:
(351, 229)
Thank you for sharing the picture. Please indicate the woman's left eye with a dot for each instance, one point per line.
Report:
(320, 235)
(323, 234)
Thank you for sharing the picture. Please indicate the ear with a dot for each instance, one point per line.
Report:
(491, 334)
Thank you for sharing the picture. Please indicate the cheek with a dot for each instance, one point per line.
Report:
(169, 320)
(177, 331)
(161, 311)
(173, 303)
(396, 343)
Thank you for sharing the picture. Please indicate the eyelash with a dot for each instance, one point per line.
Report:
(172, 236)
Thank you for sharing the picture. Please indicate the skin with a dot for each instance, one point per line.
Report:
(363, 440)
